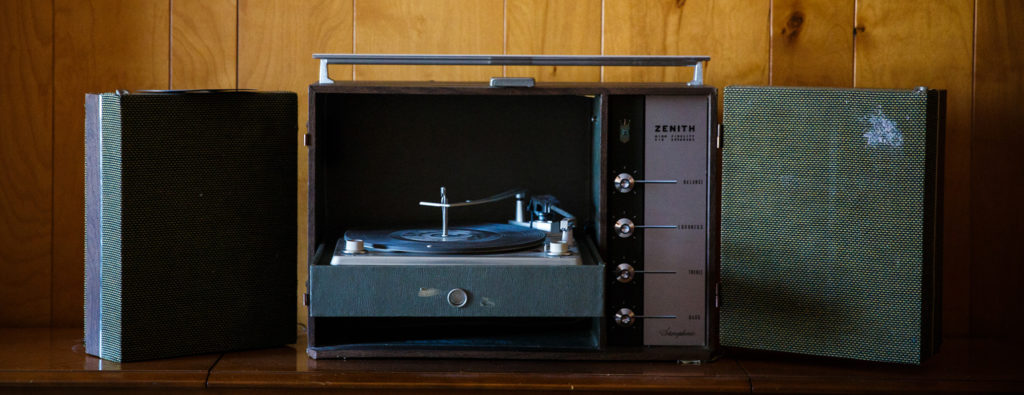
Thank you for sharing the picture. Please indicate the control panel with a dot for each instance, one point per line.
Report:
(658, 214)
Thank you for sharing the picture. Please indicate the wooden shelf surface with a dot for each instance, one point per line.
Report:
(54, 360)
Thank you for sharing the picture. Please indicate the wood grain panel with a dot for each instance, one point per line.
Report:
(277, 40)
(812, 42)
(733, 32)
(554, 27)
(203, 44)
(912, 43)
(429, 27)
(997, 172)
(101, 46)
(26, 105)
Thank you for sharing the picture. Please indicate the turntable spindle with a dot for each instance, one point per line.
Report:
(444, 214)
(444, 205)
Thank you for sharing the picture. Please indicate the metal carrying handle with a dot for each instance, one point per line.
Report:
(697, 62)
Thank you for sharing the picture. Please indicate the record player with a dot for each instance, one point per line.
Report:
(515, 219)
(475, 219)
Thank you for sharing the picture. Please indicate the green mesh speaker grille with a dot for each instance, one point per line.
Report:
(826, 205)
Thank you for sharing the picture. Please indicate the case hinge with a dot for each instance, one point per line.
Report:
(305, 299)
(718, 137)
(716, 295)
(307, 139)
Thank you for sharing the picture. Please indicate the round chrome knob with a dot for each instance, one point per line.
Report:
(458, 297)
(626, 273)
(557, 248)
(624, 182)
(354, 247)
(624, 227)
(624, 317)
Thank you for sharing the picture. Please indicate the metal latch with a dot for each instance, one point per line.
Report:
(512, 82)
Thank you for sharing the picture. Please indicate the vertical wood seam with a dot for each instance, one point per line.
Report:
(353, 67)
(170, 44)
(771, 45)
(771, 42)
(970, 158)
(238, 42)
(853, 70)
(504, 35)
(601, 75)
(53, 141)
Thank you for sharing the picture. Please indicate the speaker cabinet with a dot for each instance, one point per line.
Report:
(831, 221)
(190, 223)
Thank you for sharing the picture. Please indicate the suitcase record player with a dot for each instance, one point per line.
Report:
(605, 243)
(602, 242)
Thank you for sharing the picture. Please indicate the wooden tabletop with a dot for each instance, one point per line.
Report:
(54, 360)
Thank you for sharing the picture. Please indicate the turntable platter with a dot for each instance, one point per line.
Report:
(469, 239)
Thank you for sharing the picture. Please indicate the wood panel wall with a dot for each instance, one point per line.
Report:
(53, 52)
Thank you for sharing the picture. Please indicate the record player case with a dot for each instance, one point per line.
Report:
(375, 148)
(820, 235)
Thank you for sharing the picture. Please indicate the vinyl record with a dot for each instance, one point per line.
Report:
(467, 239)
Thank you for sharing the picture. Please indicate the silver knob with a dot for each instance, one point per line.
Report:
(557, 248)
(624, 182)
(624, 317)
(626, 273)
(458, 297)
(624, 227)
(354, 247)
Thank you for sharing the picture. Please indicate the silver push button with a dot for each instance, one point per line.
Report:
(458, 297)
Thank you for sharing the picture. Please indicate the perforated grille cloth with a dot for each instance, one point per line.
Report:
(823, 196)
(199, 196)
(110, 298)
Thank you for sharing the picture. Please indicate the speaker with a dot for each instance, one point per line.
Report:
(831, 226)
(190, 222)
